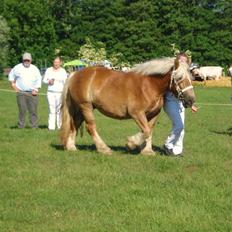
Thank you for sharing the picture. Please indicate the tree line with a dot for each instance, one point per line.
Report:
(131, 30)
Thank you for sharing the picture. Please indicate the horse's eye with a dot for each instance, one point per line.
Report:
(179, 78)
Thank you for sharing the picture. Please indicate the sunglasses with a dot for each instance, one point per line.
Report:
(26, 61)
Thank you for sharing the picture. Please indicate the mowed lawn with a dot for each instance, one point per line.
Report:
(44, 188)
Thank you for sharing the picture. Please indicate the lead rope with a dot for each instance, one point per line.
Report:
(176, 83)
(172, 78)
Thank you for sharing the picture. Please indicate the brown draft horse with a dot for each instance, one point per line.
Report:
(137, 94)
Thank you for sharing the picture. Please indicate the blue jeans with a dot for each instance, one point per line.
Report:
(176, 112)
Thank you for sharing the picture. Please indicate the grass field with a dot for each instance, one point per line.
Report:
(43, 188)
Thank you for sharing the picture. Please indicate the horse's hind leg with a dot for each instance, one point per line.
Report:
(71, 137)
(68, 130)
(76, 119)
(87, 110)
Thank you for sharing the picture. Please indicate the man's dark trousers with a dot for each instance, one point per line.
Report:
(26, 101)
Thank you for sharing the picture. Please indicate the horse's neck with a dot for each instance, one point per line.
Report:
(163, 83)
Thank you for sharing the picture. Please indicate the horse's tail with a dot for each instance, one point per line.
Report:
(71, 115)
(67, 121)
(82, 130)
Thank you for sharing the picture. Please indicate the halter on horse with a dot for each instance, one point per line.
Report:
(137, 94)
(184, 63)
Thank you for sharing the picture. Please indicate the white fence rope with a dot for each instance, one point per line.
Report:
(197, 103)
(213, 104)
(12, 91)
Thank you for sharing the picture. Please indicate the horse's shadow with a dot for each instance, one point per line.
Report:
(92, 148)
(118, 149)
(79, 147)
(227, 132)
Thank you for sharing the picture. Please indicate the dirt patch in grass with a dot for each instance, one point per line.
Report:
(228, 164)
(223, 82)
(191, 169)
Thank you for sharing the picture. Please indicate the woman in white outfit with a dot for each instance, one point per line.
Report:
(176, 112)
(55, 78)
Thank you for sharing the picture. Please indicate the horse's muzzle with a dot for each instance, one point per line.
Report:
(188, 101)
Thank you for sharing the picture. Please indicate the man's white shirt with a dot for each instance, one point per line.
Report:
(26, 78)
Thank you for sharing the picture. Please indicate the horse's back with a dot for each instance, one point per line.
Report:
(103, 81)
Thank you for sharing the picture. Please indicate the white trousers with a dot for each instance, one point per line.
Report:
(54, 104)
(176, 112)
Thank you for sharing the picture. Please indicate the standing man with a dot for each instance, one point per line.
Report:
(55, 78)
(26, 79)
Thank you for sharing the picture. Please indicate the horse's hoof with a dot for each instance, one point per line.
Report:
(73, 148)
(105, 151)
(108, 152)
(131, 146)
(148, 153)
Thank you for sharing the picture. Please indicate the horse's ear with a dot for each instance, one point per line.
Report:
(175, 50)
(189, 55)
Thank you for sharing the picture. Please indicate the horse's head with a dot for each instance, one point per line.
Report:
(181, 84)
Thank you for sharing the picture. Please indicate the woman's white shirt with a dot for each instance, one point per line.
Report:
(59, 76)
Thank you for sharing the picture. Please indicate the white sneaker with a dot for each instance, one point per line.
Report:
(169, 152)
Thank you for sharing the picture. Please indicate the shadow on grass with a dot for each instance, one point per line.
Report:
(58, 147)
(120, 149)
(28, 127)
(227, 132)
(14, 127)
(43, 127)
(160, 150)
(92, 148)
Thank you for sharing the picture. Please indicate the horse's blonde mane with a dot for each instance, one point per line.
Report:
(159, 66)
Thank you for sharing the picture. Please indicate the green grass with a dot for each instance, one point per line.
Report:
(43, 188)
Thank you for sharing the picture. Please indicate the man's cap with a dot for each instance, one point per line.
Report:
(27, 56)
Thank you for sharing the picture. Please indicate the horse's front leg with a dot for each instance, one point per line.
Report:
(143, 140)
(135, 141)
(147, 149)
(138, 141)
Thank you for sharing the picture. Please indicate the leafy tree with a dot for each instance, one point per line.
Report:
(32, 29)
(91, 54)
(221, 36)
(66, 17)
(125, 30)
(4, 43)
